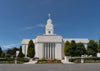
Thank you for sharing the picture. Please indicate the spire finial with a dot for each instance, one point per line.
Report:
(49, 15)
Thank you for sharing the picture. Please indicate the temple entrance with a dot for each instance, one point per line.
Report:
(49, 50)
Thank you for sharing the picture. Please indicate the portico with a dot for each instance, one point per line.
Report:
(49, 50)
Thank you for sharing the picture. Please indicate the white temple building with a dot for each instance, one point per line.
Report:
(49, 45)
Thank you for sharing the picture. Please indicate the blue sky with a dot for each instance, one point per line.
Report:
(25, 19)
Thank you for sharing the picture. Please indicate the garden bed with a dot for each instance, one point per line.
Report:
(49, 61)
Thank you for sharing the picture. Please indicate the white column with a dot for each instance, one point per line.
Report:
(45, 50)
(50, 50)
(54, 50)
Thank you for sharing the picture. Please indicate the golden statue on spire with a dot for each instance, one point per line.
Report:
(49, 15)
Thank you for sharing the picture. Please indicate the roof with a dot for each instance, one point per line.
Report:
(49, 38)
(77, 40)
(26, 41)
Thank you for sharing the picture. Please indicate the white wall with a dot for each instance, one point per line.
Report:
(58, 50)
(40, 50)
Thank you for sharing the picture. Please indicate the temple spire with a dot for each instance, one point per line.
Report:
(49, 15)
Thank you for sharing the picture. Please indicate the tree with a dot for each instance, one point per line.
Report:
(67, 49)
(31, 49)
(12, 51)
(0, 51)
(74, 46)
(8, 55)
(21, 55)
(98, 46)
(3, 54)
(92, 48)
(80, 50)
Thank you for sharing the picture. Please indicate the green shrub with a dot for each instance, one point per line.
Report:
(23, 59)
(3, 59)
(90, 59)
(54, 59)
(10, 59)
(43, 59)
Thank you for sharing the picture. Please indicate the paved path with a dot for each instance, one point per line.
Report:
(31, 62)
(50, 67)
(64, 62)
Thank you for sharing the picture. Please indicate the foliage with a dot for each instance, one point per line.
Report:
(67, 49)
(80, 50)
(92, 48)
(31, 49)
(12, 59)
(3, 54)
(21, 55)
(36, 58)
(23, 59)
(8, 55)
(74, 46)
(12, 51)
(43, 59)
(46, 61)
(86, 60)
(98, 46)
(0, 51)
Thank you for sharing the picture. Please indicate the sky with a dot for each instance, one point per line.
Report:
(25, 19)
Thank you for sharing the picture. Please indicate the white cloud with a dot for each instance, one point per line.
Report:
(33, 27)
(41, 25)
(11, 45)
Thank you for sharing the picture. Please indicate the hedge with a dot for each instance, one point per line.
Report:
(86, 60)
(12, 59)
(23, 59)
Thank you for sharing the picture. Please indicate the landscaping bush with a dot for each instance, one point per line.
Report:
(46, 61)
(23, 59)
(86, 60)
(3, 59)
(10, 59)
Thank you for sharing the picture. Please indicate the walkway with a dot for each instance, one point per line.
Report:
(31, 62)
(65, 62)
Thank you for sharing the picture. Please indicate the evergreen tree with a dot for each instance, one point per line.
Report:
(67, 49)
(74, 46)
(98, 46)
(31, 49)
(3, 54)
(80, 50)
(92, 48)
(0, 51)
(21, 55)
